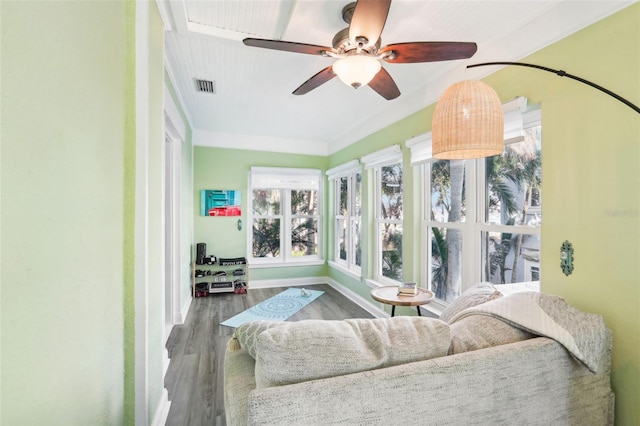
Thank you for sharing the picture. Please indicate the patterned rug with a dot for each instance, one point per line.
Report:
(277, 308)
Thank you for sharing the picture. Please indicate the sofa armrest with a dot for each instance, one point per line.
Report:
(239, 380)
(530, 382)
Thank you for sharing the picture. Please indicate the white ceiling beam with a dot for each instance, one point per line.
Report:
(179, 11)
(217, 32)
(180, 22)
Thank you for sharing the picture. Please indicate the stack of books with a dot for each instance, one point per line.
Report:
(408, 289)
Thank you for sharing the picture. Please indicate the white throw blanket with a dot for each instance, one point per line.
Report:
(582, 334)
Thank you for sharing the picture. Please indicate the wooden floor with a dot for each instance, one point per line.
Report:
(196, 348)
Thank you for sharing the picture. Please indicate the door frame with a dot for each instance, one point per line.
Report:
(174, 136)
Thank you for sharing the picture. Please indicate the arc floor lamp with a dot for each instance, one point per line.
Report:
(468, 119)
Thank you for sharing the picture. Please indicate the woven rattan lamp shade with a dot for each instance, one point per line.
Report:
(468, 122)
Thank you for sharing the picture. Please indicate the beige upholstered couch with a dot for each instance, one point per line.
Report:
(487, 365)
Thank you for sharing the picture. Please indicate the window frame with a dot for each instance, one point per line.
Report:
(285, 180)
(374, 163)
(349, 171)
(528, 120)
(474, 225)
(380, 222)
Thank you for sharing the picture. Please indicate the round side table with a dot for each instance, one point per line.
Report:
(389, 295)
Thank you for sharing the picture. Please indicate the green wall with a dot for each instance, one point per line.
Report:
(69, 129)
(219, 168)
(155, 246)
(63, 130)
(591, 158)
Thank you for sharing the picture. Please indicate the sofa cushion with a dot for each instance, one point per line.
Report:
(481, 331)
(305, 350)
(247, 334)
(475, 295)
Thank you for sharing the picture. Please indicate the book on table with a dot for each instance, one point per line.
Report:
(407, 289)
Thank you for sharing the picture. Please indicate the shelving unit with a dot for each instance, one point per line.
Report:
(226, 275)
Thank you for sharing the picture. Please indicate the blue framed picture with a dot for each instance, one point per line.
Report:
(214, 202)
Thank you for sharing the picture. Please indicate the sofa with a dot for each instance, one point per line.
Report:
(522, 359)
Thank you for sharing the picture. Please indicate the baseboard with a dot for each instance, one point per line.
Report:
(365, 304)
(289, 282)
(185, 309)
(167, 332)
(349, 294)
(165, 362)
(162, 412)
(357, 299)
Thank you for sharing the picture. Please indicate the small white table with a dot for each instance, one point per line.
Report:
(389, 295)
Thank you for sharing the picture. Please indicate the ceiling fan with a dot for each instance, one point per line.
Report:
(358, 51)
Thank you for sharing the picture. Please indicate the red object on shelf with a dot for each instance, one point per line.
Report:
(203, 293)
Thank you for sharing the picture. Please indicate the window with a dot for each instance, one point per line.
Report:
(386, 165)
(285, 215)
(389, 220)
(347, 183)
(512, 215)
(482, 217)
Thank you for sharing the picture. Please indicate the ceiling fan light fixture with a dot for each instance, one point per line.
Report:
(468, 122)
(356, 70)
(359, 47)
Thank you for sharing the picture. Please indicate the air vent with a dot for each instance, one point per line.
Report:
(205, 86)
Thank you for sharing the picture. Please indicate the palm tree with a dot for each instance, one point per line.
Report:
(266, 238)
(454, 237)
(439, 264)
(530, 179)
(392, 259)
(447, 181)
(500, 183)
(304, 232)
(266, 232)
(511, 176)
(497, 259)
(391, 208)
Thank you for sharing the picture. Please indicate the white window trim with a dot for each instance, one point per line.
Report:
(513, 123)
(389, 155)
(374, 162)
(347, 170)
(284, 179)
(421, 148)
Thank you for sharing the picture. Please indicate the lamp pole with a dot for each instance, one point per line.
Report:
(562, 73)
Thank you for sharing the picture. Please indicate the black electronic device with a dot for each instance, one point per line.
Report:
(201, 253)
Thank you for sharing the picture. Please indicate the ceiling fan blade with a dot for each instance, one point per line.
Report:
(428, 51)
(315, 81)
(287, 46)
(384, 85)
(368, 20)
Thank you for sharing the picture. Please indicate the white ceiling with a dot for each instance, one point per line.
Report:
(253, 107)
